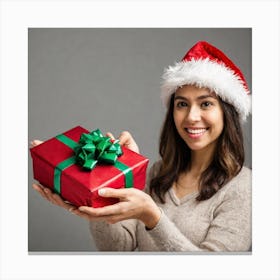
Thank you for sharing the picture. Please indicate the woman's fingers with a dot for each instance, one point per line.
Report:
(60, 202)
(101, 212)
(87, 216)
(109, 134)
(57, 200)
(52, 197)
(40, 190)
(125, 137)
(35, 143)
(110, 214)
(49, 195)
(116, 193)
(127, 140)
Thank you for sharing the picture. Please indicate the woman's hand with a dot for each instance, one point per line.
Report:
(57, 200)
(126, 140)
(134, 204)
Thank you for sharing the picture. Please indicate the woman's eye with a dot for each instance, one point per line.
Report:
(181, 104)
(206, 104)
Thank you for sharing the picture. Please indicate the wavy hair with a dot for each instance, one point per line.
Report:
(227, 161)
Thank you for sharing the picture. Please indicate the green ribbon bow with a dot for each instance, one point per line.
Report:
(94, 147)
(91, 149)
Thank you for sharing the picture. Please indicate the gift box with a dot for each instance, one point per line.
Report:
(75, 168)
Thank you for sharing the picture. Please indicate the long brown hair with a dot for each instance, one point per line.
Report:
(227, 161)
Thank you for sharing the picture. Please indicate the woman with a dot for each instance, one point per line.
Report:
(198, 196)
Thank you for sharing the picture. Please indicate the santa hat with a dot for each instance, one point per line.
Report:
(206, 66)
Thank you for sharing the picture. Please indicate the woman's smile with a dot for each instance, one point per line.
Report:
(195, 133)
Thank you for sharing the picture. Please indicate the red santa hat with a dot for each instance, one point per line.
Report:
(206, 66)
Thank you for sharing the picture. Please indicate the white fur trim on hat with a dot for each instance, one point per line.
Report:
(209, 74)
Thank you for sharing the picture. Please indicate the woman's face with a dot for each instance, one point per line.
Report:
(198, 117)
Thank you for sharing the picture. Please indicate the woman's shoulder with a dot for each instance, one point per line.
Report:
(240, 184)
(245, 176)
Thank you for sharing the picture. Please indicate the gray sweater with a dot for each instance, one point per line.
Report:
(221, 223)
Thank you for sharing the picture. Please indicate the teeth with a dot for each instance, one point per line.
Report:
(196, 131)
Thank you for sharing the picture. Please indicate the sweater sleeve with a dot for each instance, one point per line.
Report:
(229, 230)
(168, 237)
(114, 237)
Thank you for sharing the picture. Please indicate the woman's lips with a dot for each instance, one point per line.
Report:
(195, 132)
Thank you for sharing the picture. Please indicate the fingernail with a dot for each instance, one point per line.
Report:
(101, 192)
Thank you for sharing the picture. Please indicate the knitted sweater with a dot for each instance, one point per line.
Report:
(221, 223)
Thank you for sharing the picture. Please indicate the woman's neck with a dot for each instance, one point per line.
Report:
(200, 160)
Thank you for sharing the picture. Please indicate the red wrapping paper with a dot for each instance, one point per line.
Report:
(78, 186)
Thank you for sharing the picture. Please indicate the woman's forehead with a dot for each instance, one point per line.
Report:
(194, 90)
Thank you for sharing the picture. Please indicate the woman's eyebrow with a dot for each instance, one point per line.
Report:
(180, 97)
(199, 97)
(206, 96)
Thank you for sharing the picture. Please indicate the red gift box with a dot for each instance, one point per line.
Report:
(79, 186)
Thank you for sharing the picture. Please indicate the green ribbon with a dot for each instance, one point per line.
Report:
(91, 149)
(94, 147)
(58, 170)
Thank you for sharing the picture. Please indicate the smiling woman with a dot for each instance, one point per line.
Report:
(198, 195)
(211, 130)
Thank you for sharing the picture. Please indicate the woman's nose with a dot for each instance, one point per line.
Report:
(193, 114)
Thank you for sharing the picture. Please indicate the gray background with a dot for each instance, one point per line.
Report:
(108, 79)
